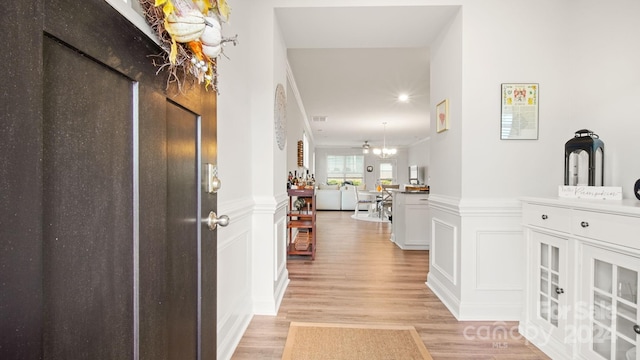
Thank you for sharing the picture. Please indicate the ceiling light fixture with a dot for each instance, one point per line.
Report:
(403, 98)
(385, 152)
(365, 147)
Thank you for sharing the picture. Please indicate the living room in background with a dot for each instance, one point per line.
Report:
(343, 168)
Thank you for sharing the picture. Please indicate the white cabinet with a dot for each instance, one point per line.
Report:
(410, 220)
(611, 292)
(583, 260)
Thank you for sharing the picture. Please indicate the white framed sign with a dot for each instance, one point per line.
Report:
(590, 192)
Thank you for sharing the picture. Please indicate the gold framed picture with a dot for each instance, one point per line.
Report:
(442, 116)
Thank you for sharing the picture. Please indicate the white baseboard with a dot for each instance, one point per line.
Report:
(415, 247)
(227, 345)
(490, 312)
(448, 298)
(282, 287)
(270, 306)
(467, 311)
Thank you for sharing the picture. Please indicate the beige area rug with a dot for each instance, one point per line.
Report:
(352, 341)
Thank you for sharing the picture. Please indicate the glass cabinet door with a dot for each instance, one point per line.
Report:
(614, 321)
(550, 268)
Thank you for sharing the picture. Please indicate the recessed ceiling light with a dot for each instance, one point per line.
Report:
(403, 98)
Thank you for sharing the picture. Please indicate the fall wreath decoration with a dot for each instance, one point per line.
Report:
(190, 33)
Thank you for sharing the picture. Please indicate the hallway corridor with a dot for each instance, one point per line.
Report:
(359, 276)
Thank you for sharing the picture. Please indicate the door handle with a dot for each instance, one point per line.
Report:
(213, 220)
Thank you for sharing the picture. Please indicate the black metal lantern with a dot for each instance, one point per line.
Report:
(584, 159)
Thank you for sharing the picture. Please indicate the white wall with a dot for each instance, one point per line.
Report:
(445, 155)
(582, 57)
(268, 257)
(251, 272)
(234, 293)
(297, 124)
(501, 48)
(445, 160)
(280, 77)
(603, 84)
(418, 154)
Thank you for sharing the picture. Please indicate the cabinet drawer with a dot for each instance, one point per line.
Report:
(300, 192)
(417, 200)
(549, 217)
(612, 228)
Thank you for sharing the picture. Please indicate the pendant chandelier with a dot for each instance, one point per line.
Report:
(385, 151)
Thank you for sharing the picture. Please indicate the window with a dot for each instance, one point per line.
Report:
(387, 173)
(341, 168)
(305, 151)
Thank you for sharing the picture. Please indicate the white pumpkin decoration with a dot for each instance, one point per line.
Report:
(185, 27)
(212, 35)
(211, 51)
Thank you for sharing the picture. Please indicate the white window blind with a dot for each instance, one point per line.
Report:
(386, 171)
(341, 168)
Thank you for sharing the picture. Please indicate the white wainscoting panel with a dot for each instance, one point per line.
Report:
(445, 249)
(492, 274)
(499, 259)
(234, 307)
(268, 288)
(445, 253)
(280, 238)
(477, 257)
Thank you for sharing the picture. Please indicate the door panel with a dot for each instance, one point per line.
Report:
(87, 207)
(153, 219)
(182, 234)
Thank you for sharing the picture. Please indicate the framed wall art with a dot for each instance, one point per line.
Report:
(519, 116)
(442, 116)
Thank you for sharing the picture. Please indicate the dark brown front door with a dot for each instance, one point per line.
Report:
(104, 253)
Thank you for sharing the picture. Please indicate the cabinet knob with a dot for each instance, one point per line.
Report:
(584, 224)
(636, 328)
(559, 291)
(544, 217)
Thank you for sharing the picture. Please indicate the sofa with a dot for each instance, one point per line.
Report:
(336, 197)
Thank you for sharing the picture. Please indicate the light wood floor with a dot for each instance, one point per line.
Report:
(359, 276)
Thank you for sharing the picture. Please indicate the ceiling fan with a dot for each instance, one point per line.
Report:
(365, 147)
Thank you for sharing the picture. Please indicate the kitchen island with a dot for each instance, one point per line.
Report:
(410, 223)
